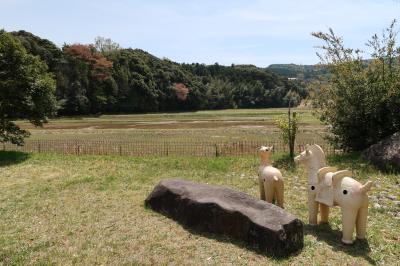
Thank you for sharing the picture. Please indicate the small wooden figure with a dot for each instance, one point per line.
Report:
(270, 178)
(337, 188)
(313, 157)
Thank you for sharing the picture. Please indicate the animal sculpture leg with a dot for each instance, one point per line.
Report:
(279, 194)
(361, 224)
(262, 191)
(349, 217)
(324, 213)
(269, 191)
(312, 209)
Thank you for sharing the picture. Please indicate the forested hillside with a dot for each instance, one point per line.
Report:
(105, 78)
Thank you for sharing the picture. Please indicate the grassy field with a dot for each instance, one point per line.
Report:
(89, 210)
(220, 125)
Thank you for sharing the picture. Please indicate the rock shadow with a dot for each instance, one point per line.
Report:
(239, 243)
(224, 238)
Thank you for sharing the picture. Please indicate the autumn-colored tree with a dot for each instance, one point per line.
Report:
(181, 91)
(100, 66)
(79, 50)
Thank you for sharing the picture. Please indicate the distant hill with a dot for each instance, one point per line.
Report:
(304, 73)
(301, 72)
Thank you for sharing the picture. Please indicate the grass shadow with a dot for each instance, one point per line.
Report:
(284, 161)
(13, 157)
(346, 159)
(324, 232)
(356, 161)
(352, 161)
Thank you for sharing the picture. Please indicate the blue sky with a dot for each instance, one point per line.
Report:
(205, 31)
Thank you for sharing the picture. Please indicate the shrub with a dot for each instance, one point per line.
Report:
(360, 102)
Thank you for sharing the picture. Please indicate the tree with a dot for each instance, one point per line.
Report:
(83, 80)
(181, 91)
(99, 65)
(361, 99)
(289, 126)
(105, 45)
(26, 89)
(45, 49)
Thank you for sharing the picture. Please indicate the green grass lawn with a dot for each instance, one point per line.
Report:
(89, 210)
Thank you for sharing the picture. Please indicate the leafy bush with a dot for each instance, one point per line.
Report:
(361, 100)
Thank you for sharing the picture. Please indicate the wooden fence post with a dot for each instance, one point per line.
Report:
(166, 151)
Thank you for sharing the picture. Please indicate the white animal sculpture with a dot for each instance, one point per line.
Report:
(313, 158)
(337, 188)
(270, 178)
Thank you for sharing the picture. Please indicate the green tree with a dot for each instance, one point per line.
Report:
(361, 99)
(289, 125)
(45, 49)
(26, 89)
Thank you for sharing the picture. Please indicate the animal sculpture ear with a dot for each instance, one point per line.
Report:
(323, 171)
(340, 174)
(272, 148)
(367, 187)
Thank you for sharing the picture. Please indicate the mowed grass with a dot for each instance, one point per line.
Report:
(217, 125)
(89, 210)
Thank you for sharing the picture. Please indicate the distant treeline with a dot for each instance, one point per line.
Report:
(105, 78)
(302, 72)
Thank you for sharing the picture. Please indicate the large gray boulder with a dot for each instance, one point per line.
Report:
(385, 154)
(221, 210)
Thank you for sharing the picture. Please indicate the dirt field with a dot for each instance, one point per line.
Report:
(221, 125)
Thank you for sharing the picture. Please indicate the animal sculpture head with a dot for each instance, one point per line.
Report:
(313, 156)
(265, 151)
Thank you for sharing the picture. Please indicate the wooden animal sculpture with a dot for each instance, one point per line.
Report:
(270, 178)
(313, 158)
(338, 188)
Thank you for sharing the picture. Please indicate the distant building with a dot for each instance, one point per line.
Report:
(292, 78)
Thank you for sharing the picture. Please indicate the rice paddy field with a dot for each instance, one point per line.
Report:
(201, 133)
(220, 125)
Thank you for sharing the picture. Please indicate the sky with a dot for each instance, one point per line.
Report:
(205, 31)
